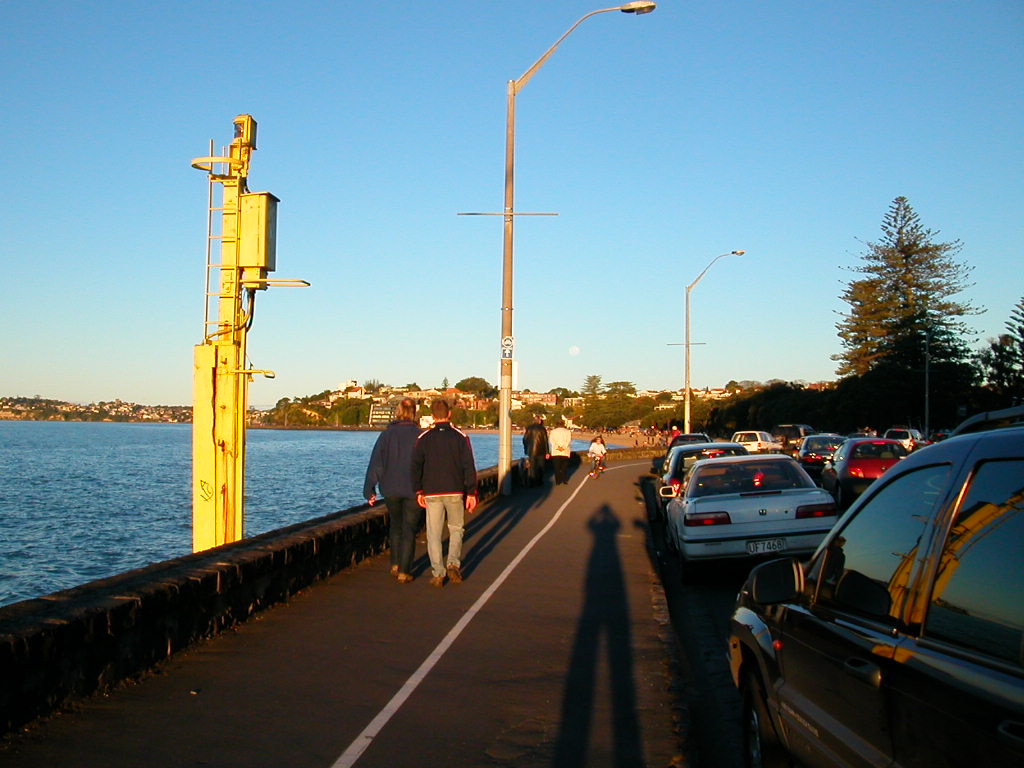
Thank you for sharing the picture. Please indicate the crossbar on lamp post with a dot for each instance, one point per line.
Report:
(505, 385)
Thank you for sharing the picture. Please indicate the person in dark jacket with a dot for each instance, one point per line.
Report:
(535, 446)
(444, 478)
(389, 470)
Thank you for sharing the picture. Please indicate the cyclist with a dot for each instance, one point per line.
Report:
(597, 451)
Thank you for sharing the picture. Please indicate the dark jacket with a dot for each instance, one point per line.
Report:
(442, 462)
(390, 461)
(535, 440)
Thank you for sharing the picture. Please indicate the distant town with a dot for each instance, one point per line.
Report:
(349, 405)
(41, 409)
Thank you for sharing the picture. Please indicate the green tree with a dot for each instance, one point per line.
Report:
(610, 412)
(620, 388)
(591, 385)
(905, 298)
(903, 337)
(1002, 361)
(524, 416)
(562, 393)
(477, 386)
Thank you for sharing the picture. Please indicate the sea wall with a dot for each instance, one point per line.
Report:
(71, 644)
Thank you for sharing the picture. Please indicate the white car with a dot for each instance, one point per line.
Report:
(744, 506)
(911, 438)
(757, 442)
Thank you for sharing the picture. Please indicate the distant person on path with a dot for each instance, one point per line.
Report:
(390, 471)
(560, 440)
(597, 452)
(444, 478)
(535, 446)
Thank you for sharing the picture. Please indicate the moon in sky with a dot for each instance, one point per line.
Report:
(574, 350)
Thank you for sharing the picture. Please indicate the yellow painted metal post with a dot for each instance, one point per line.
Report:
(220, 385)
(221, 375)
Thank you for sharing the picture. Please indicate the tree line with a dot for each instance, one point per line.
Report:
(906, 358)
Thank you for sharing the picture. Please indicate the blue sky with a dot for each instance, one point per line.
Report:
(782, 128)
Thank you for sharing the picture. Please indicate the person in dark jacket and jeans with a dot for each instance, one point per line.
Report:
(535, 445)
(389, 469)
(444, 478)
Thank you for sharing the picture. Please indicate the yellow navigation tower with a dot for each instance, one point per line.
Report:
(221, 372)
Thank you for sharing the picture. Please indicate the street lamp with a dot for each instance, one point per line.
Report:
(686, 342)
(507, 343)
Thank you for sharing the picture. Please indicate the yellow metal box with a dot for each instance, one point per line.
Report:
(257, 231)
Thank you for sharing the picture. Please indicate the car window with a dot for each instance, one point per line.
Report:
(867, 567)
(865, 451)
(978, 597)
(750, 477)
(689, 458)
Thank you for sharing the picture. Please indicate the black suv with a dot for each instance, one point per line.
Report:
(901, 640)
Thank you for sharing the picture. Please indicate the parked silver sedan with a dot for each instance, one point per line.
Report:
(680, 458)
(745, 506)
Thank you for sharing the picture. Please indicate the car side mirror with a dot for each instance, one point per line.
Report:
(667, 492)
(777, 581)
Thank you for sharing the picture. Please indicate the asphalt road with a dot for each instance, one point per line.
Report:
(556, 650)
(700, 609)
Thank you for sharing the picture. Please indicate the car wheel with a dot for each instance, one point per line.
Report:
(762, 748)
(670, 539)
(687, 568)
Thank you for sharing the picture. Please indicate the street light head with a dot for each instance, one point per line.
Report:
(738, 253)
(638, 7)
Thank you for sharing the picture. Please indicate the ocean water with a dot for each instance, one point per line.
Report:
(81, 501)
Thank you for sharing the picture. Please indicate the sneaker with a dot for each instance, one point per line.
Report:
(454, 574)
(404, 578)
(437, 581)
(394, 570)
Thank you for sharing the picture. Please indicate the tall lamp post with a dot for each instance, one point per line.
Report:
(507, 343)
(686, 343)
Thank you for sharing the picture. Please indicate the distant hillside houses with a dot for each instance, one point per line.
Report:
(386, 398)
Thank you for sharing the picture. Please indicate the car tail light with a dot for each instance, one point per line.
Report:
(827, 509)
(676, 485)
(856, 472)
(707, 518)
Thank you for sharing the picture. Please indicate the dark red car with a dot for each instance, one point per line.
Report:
(856, 464)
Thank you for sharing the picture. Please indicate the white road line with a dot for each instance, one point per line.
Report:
(363, 740)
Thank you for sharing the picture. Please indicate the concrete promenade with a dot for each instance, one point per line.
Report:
(552, 652)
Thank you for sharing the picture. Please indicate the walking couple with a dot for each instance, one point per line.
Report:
(432, 470)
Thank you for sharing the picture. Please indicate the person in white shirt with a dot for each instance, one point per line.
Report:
(560, 441)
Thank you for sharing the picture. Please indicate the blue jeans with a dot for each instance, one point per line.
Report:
(452, 505)
(405, 515)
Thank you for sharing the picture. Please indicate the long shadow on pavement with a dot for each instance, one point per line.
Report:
(700, 611)
(496, 522)
(605, 615)
(492, 524)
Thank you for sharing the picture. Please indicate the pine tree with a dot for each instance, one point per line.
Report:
(904, 306)
(1002, 362)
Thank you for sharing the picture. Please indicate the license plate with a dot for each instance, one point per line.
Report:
(766, 546)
